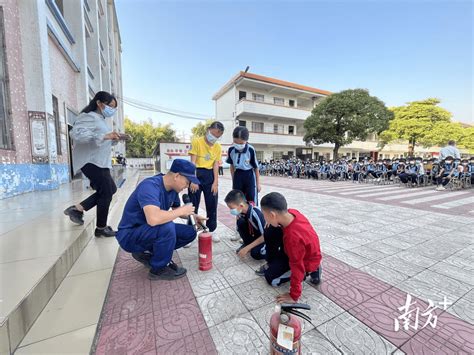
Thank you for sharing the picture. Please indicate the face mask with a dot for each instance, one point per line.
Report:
(449, 162)
(412, 162)
(239, 146)
(108, 111)
(210, 138)
(235, 212)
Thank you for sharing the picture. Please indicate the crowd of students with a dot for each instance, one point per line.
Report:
(413, 171)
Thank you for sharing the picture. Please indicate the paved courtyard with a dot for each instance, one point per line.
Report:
(379, 243)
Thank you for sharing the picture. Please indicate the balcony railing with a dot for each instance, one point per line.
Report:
(277, 139)
(259, 108)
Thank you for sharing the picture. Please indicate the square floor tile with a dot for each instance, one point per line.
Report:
(220, 306)
(238, 274)
(353, 337)
(131, 336)
(255, 293)
(240, 335)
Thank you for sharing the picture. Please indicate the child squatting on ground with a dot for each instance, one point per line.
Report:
(300, 241)
(261, 241)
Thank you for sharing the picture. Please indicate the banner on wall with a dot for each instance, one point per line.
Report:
(39, 137)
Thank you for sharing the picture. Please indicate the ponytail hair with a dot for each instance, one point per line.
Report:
(216, 125)
(101, 96)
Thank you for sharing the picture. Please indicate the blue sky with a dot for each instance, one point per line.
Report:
(177, 54)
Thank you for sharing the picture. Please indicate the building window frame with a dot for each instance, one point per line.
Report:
(258, 127)
(291, 130)
(60, 18)
(258, 97)
(6, 139)
(242, 95)
(292, 103)
(242, 123)
(57, 123)
(280, 101)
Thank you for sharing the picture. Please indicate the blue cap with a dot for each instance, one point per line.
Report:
(185, 168)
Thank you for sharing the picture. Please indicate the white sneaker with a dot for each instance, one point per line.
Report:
(235, 237)
(216, 238)
(187, 246)
(440, 188)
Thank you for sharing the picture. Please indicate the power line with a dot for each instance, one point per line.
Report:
(153, 108)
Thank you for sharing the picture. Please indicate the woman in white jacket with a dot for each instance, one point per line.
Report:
(92, 142)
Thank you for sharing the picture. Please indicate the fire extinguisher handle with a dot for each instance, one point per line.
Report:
(300, 314)
(290, 306)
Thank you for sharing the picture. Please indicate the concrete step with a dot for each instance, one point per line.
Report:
(37, 253)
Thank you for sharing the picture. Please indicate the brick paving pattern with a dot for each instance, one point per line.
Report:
(375, 251)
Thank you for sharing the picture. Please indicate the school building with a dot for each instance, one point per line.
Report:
(54, 56)
(274, 112)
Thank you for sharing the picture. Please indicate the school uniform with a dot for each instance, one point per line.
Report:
(447, 169)
(250, 227)
(411, 172)
(244, 162)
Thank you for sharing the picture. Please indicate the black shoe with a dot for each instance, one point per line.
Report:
(143, 258)
(75, 215)
(178, 269)
(166, 273)
(106, 232)
(315, 277)
(261, 270)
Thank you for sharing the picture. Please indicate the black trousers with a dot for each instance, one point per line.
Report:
(278, 264)
(206, 177)
(248, 235)
(104, 186)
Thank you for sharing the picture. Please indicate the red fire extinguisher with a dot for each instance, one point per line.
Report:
(285, 328)
(205, 250)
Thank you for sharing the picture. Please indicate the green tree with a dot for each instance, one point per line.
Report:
(467, 139)
(346, 116)
(415, 122)
(441, 133)
(200, 129)
(145, 137)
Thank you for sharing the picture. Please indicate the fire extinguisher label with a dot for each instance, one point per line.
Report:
(285, 336)
(203, 256)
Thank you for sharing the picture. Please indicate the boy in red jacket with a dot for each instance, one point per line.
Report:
(300, 241)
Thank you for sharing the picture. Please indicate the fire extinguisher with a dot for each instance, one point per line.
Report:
(205, 250)
(285, 328)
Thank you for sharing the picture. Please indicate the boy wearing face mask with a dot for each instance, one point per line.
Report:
(445, 174)
(471, 170)
(411, 172)
(244, 165)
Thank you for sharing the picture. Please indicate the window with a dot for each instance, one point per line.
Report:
(257, 127)
(242, 95)
(60, 6)
(277, 155)
(242, 123)
(291, 129)
(278, 128)
(291, 103)
(258, 97)
(57, 124)
(5, 134)
(278, 101)
(259, 155)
